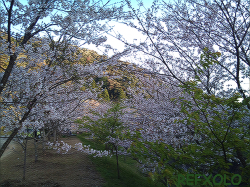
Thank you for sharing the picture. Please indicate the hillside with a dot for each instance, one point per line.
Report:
(117, 79)
(114, 88)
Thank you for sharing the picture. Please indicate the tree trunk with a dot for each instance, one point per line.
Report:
(116, 154)
(10, 138)
(44, 138)
(49, 136)
(35, 144)
(240, 157)
(25, 156)
(15, 131)
(54, 135)
(7, 72)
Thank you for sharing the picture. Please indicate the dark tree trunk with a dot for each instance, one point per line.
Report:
(43, 138)
(116, 154)
(54, 133)
(15, 131)
(36, 154)
(25, 156)
(10, 138)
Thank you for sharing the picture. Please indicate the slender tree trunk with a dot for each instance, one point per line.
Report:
(44, 138)
(116, 154)
(25, 156)
(106, 147)
(111, 148)
(49, 135)
(241, 158)
(54, 135)
(35, 145)
(36, 154)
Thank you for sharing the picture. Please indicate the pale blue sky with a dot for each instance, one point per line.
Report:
(146, 4)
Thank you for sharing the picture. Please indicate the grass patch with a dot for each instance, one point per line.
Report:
(130, 176)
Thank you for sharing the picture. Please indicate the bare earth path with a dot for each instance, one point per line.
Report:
(52, 169)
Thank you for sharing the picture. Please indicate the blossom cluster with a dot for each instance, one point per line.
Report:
(64, 148)
(96, 153)
(61, 147)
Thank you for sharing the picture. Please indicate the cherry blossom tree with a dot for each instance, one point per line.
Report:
(176, 34)
(40, 59)
(153, 120)
(177, 137)
(173, 44)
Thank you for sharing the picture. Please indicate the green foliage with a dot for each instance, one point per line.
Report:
(169, 159)
(114, 87)
(104, 80)
(93, 84)
(117, 87)
(122, 94)
(206, 60)
(130, 176)
(83, 88)
(219, 123)
(104, 95)
(221, 134)
(107, 125)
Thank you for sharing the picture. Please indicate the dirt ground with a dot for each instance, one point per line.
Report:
(51, 169)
